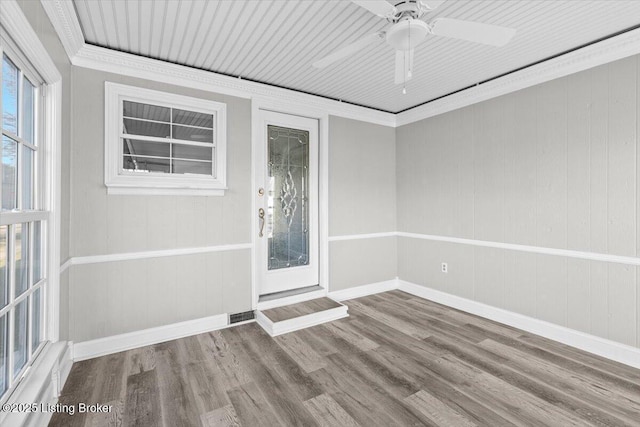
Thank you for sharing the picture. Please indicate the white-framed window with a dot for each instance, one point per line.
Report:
(163, 143)
(23, 219)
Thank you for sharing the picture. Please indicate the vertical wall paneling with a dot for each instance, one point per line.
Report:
(599, 207)
(622, 198)
(578, 206)
(551, 133)
(489, 153)
(555, 166)
(520, 200)
(463, 124)
(362, 200)
(637, 201)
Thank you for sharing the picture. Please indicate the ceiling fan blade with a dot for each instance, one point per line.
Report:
(492, 35)
(381, 8)
(431, 4)
(348, 50)
(404, 66)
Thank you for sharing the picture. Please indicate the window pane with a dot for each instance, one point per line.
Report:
(199, 168)
(192, 118)
(27, 177)
(9, 95)
(20, 336)
(9, 172)
(139, 127)
(4, 354)
(28, 95)
(21, 257)
(193, 134)
(146, 148)
(37, 252)
(36, 320)
(146, 111)
(145, 164)
(4, 271)
(191, 152)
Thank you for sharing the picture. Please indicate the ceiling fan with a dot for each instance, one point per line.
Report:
(408, 30)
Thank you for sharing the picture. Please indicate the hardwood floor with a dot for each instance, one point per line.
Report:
(397, 360)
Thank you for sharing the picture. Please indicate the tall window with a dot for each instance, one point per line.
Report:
(23, 222)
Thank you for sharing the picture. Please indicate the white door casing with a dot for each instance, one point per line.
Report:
(285, 196)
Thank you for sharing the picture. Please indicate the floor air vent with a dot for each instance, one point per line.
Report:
(241, 317)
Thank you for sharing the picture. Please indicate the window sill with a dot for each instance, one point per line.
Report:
(47, 375)
(144, 191)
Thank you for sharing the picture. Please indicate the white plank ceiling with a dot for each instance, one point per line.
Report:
(276, 41)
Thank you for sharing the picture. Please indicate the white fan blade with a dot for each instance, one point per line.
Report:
(472, 31)
(378, 7)
(431, 4)
(348, 50)
(404, 65)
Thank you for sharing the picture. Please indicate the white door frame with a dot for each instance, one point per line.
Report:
(296, 109)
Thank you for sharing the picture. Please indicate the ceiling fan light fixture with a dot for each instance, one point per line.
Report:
(407, 34)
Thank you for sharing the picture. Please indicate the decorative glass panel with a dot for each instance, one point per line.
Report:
(287, 211)
(9, 95)
(4, 270)
(20, 336)
(4, 354)
(27, 177)
(36, 321)
(21, 257)
(9, 173)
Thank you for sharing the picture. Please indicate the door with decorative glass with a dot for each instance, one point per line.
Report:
(286, 203)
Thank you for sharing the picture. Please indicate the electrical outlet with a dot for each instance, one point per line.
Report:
(445, 267)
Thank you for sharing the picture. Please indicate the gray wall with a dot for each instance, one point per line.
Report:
(42, 26)
(362, 200)
(555, 165)
(117, 297)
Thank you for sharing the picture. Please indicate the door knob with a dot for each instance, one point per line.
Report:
(261, 217)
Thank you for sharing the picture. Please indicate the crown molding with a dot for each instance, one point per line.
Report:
(603, 52)
(65, 22)
(108, 60)
(64, 19)
(17, 26)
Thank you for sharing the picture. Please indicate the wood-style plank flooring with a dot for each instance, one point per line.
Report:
(287, 312)
(397, 360)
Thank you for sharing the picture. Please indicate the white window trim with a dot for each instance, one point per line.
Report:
(153, 184)
(18, 29)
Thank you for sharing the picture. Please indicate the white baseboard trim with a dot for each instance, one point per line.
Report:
(602, 347)
(292, 299)
(278, 328)
(364, 290)
(116, 343)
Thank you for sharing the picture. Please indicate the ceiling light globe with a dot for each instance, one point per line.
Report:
(398, 34)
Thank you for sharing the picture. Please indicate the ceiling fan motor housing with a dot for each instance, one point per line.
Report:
(407, 34)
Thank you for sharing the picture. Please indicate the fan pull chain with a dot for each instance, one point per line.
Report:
(405, 61)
